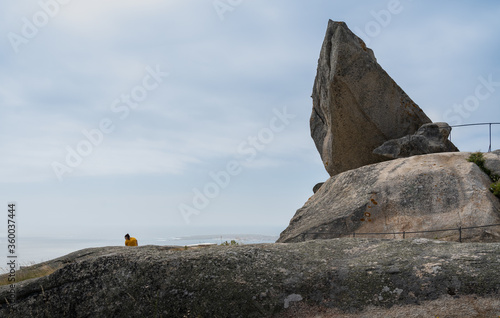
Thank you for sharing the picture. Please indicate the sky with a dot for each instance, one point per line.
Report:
(193, 116)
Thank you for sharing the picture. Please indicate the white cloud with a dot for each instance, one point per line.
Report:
(225, 79)
(138, 157)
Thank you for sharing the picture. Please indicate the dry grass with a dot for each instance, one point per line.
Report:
(193, 247)
(446, 307)
(28, 273)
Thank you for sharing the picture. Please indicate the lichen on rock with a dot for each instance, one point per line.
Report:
(262, 280)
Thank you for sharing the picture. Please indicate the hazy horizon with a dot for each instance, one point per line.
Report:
(133, 116)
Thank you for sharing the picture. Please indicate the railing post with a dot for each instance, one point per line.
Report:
(482, 124)
(303, 235)
(489, 149)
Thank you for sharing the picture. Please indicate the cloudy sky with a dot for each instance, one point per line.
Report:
(137, 116)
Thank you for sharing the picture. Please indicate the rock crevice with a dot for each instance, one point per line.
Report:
(430, 138)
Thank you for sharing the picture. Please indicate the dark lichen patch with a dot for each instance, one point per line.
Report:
(420, 190)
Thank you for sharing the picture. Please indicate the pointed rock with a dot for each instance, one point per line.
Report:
(357, 106)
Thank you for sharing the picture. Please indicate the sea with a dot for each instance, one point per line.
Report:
(33, 250)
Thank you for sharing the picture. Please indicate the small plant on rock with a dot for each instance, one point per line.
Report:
(495, 188)
(233, 242)
(495, 177)
(478, 159)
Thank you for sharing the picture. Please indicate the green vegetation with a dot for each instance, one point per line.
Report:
(233, 242)
(495, 188)
(478, 159)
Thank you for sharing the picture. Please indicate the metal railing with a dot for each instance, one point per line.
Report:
(459, 229)
(479, 124)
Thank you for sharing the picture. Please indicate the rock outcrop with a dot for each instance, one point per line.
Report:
(317, 186)
(357, 106)
(491, 161)
(420, 193)
(280, 280)
(430, 138)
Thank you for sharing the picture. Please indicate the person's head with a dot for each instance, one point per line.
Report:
(127, 237)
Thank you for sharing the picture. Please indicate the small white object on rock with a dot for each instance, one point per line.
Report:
(291, 298)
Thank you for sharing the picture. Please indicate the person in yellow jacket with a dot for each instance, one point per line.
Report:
(130, 241)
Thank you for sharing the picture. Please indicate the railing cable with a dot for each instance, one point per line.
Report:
(478, 124)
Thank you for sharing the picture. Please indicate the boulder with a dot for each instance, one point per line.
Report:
(420, 193)
(491, 162)
(310, 279)
(317, 186)
(430, 138)
(357, 106)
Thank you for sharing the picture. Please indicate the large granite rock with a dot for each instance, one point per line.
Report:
(420, 193)
(430, 138)
(357, 106)
(311, 279)
(491, 162)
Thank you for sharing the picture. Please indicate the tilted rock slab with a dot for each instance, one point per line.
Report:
(258, 280)
(430, 138)
(357, 106)
(420, 193)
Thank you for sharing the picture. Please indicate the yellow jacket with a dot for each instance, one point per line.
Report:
(131, 242)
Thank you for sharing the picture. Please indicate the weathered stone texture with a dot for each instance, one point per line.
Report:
(491, 161)
(357, 106)
(430, 138)
(420, 193)
(257, 280)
